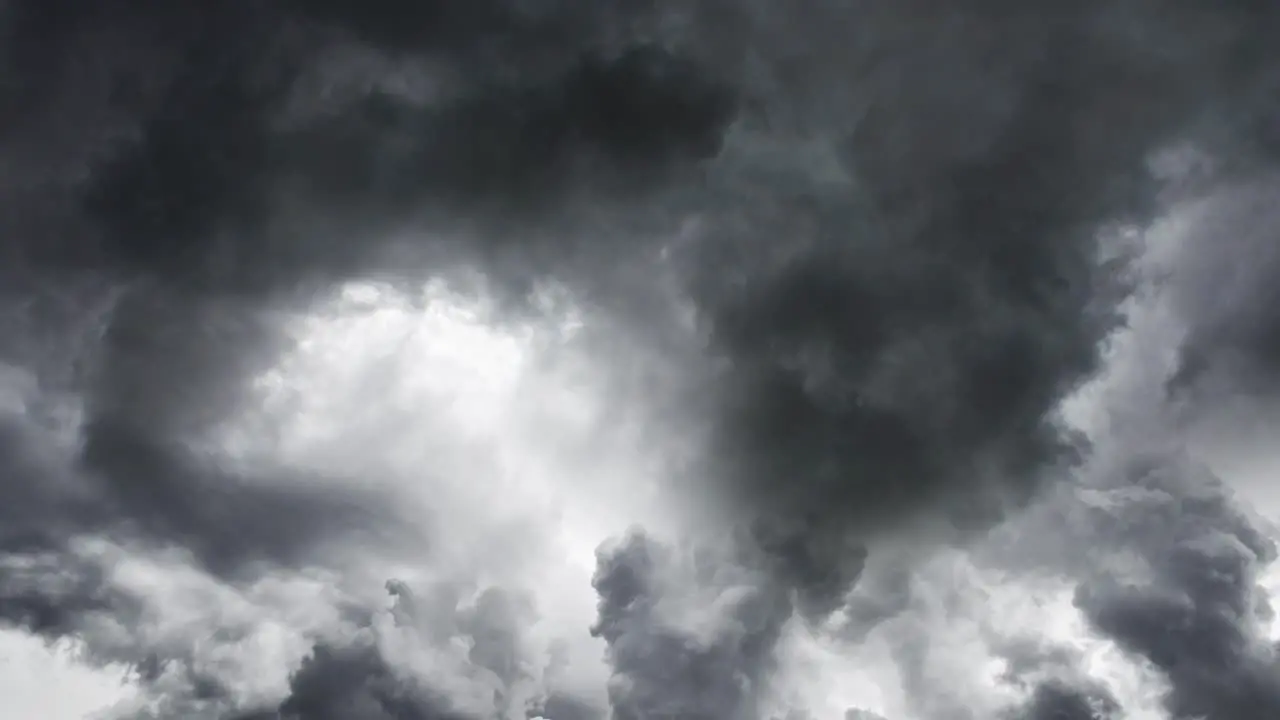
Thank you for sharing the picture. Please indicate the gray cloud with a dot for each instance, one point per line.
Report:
(355, 677)
(1195, 609)
(707, 654)
(1222, 288)
(1198, 615)
(882, 217)
(228, 521)
(831, 302)
(1055, 701)
(355, 682)
(856, 714)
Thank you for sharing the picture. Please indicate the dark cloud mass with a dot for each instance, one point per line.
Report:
(354, 683)
(1198, 618)
(973, 243)
(1052, 701)
(351, 682)
(888, 222)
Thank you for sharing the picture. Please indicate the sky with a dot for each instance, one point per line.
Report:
(632, 361)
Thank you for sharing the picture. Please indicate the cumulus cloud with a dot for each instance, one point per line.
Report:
(799, 287)
(1182, 590)
(689, 637)
(1170, 558)
(1178, 575)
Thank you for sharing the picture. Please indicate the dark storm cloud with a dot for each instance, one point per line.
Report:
(225, 518)
(1060, 701)
(129, 471)
(667, 663)
(897, 346)
(886, 335)
(183, 205)
(893, 206)
(356, 683)
(1198, 615)
(141, 390)
(565, 707)
(353, 682)
(820, 567)
(192, 198)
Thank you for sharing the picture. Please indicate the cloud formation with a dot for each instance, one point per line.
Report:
(706, 654)
(855, 255)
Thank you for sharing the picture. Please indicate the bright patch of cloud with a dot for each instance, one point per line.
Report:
(500, 440)
(50, 681)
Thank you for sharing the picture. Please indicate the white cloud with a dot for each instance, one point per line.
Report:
(50, 681)
(499, 438)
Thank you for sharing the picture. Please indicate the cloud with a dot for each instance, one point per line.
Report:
(1223, 297)
(203, 628)
(1069, 703)
(974, 246)
(31, 662)
(842, 264)
(353, 683)
(1199, 611)
(441, 655)
(1199, 615)
(1170, 558)
(689, 635)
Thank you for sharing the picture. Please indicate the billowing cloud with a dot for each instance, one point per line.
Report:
(1068, 703)
(1177, 579)
(299, 297)
(689, 637)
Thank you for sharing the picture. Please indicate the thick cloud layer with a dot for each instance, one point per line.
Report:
(856, 254)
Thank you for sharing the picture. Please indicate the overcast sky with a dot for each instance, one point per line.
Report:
(729, 361)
